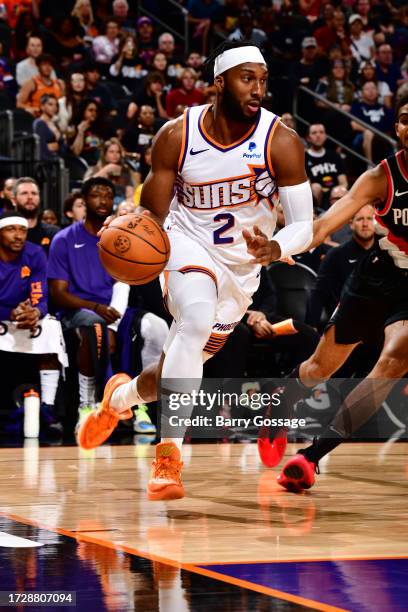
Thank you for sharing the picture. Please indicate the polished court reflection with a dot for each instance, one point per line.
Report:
(234, 526)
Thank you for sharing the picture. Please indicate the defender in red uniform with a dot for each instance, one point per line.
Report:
(375, 302)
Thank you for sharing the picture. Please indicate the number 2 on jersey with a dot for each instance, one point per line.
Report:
(229, 223)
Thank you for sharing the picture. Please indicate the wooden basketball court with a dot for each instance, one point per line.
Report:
(236, 541)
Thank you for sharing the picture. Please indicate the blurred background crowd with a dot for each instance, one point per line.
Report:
(84, 87)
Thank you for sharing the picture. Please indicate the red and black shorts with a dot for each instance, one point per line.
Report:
(375, 295)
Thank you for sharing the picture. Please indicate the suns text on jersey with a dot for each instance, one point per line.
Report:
(228, 192)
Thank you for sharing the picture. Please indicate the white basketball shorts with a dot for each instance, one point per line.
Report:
(235, 284)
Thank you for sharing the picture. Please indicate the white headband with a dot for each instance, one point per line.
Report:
(13, 221)
(234, 57)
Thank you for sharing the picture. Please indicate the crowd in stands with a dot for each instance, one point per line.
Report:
(97, 79)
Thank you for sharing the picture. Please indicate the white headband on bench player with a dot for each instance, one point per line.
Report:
(13, 221)
(234, 57)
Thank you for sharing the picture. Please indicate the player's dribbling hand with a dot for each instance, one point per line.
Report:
(106, 223)
(146, 213)
(264, 251)
(109, 220)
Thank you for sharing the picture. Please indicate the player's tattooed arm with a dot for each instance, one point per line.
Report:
(370, 188)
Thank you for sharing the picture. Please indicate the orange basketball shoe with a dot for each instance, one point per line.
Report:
(99, 424)
(297, 474)
(165, 482)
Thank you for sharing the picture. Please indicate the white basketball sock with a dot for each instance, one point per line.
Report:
(193, 299)
(87, 387)
(49, 385)
(126, 396)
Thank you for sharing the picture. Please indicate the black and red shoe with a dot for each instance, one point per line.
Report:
(272, 451)
(298, 474)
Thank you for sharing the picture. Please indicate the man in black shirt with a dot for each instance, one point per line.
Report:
(27, 198)
(96, 89)
(338, 264)
(324, 167)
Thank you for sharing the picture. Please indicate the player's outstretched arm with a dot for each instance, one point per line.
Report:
(370, 188)
(158, 188)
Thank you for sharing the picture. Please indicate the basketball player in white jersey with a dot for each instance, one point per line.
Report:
(229, 163)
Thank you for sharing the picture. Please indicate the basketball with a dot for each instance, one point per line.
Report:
(134, 249)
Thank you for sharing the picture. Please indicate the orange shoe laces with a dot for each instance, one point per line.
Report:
(167, 468)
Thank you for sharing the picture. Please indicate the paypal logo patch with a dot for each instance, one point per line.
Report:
(250, 154)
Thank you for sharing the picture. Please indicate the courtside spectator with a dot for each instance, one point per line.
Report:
(153, 94)
(186, 95)
(324, 167)
(74, 208)
(387, 70)
(141, 130)
(159, 64)
(27, 68)
(27, 198)
(205, 16)
(90, 131)
(310, 68)
(66, 42)
(82, 10)
(52, 144)
(343, 233)
(49, 216)
(372, 113)
(106, 46)
(7, 194)
(146, 38)
(120, 10)
(333, 34)
(336, 87)
(84, 292)
(97, 90)
(32, 91)
(367, 73)
(75, 92)
(167, 45)
(127, 67)
(112, 165)
(361, 43)
(246, 30)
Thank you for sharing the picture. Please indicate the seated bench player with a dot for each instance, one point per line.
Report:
(88, 299)
(25, 326)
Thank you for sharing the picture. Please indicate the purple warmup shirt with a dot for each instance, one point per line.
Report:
(74, 258)
(24, 277)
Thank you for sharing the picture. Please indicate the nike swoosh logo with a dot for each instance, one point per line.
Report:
(352, 260)
(78, 246)
(400, 193)
(197, 152)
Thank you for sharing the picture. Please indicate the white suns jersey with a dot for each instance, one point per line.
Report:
(221, 190)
